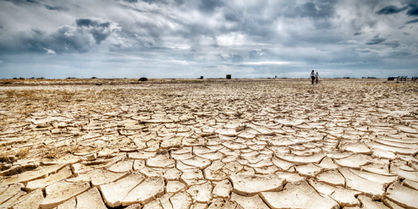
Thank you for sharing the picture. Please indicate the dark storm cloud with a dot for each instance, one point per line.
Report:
(393, 44)
(388, 10)
(413, 9)
(23, 1)
(375, 40)
(66, 39)
(412, 21)
(246, 37)
(56, 8)
(99, 30)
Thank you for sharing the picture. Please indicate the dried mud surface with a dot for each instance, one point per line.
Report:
(210, 144)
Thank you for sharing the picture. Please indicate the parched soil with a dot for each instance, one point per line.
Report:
(345, 143)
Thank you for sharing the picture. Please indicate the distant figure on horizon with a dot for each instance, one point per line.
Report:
(316, 77)
(313, 76)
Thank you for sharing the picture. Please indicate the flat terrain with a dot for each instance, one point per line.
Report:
(208, 144)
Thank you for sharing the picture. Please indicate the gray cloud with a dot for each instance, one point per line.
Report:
(210, 5)
(99, 29)
(375, 40)
(388, 10)
(413, 10)
(256, 38)
(412, 21)
(81, 37)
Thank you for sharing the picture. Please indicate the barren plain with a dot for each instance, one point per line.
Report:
(209, 144)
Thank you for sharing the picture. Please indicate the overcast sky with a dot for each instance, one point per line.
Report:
(211, 38)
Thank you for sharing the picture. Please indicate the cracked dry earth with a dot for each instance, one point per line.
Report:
(212, 144)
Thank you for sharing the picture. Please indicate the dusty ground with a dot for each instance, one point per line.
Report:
(209, 144)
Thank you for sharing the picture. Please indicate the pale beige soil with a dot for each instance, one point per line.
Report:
(208, 144)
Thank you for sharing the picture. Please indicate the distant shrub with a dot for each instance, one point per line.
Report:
(143, 79)
(93, 77)
(391, 78)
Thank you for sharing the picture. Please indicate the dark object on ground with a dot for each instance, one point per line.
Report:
(99, 84)
(228, 76)
(368, 78)
(391, 78)
(414, 78)
(93, 77)
(201, 77)
(143, 79)
(402, 78)
(346, 77)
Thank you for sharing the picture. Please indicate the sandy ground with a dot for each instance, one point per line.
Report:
(209, 144)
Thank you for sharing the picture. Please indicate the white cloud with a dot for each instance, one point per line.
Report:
(50, 51)
(231, 39)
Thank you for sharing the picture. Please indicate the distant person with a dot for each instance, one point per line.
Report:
(313, 76)
(316, 77)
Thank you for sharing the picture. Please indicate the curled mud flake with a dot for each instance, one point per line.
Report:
(197, 162)
(146, 191)
(332, 177)
(251, 184)
(345, 197)
(160, 161)
(359, 148)
(115, 192)
(90, 199)
(62, 174)
(353, 181)
(300, 195)
(403, 196)
(249, 201)
(30, 175)
(59, 192)
(354, 161)
(9, 192)
(181, 200)
(310, 170)
(30, 200)
(367, 202)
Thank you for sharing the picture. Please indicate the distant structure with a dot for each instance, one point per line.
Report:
(400, 78)
(228, 76)
(143, 79)
(201, 77)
